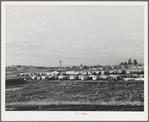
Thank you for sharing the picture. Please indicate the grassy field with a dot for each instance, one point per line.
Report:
(42, 95)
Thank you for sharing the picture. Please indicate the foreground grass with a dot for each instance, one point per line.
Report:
(64, 92)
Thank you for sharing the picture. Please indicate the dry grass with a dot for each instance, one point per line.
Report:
(65, 92)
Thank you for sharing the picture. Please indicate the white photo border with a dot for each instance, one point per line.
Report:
(71, 115)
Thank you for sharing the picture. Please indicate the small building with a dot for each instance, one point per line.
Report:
(55, 73)
(18, 74)
(62, 77)
(34, 77)
(21, 74)
(90, 77)
(102, 72)
(48, 73)
(111, 71)
(119, 71)
(89, 73)
(97, 72)
(95, 77)
(128, 71)
(50, 78)
(84, 77)
(40, 73)
(43, 77)
(103, 76)
(84, 72)
(39, 78)
(93, 73)
(141, 76)
(70, 72)
(129, 79)
(79, 77)
(63, 73)
(72, 77)
(136, 68)
(114, 77)
(139, 79)
(76, 73)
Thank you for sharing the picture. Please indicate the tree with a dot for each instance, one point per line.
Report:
(85, 67)
(130, 61)
(135, 62)
(121, 63)
(81, 65)
(125, 63)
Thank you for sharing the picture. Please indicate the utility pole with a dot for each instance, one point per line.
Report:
(60, 64)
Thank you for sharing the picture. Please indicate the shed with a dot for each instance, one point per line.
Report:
(72, 77)
(62, 77)
(50, 78)
(95, 77)
(102, 72)
(39, 78)
(103, 76)
(43, 77)
(55, 73)
(33, 77)
(84, 77)
(127, 71)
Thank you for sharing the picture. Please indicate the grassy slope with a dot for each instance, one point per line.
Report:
(47, 92)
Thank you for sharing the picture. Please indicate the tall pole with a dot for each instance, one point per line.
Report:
(60, 64)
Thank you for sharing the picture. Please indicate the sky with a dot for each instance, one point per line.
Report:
(89, 35)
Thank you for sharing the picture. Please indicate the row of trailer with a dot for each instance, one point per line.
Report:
(119, 72)
(84, 77)
(69, 77)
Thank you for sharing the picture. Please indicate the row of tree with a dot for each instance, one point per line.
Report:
(130, 62)
(122, 64)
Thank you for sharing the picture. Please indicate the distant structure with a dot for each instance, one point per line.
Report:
(60, 64)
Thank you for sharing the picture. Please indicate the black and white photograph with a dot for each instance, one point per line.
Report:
(85, 59)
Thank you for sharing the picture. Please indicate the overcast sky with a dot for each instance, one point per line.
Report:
(88, 35)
